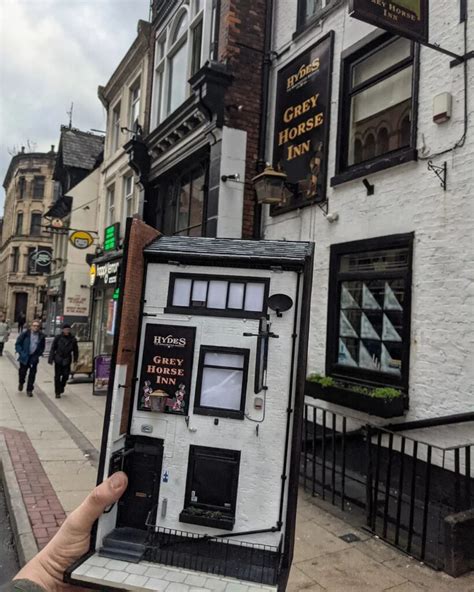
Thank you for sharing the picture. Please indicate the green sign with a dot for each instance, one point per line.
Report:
(111, 239)
(116, 295)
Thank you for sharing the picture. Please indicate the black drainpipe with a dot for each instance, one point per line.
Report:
(267, 62)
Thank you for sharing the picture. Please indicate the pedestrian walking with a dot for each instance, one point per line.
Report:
(4, 332)
(30, 347)
(63, 350)
(21, 321)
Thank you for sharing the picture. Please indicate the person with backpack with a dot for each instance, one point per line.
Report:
(63, 349)
(30, 347)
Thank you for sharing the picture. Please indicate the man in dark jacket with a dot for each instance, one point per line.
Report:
(29, 347)
(63, 349)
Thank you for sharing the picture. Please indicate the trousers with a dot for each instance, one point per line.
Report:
(61, 376)
(30, 368)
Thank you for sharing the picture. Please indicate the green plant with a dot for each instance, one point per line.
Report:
(385, 393)
(324, 381)
(376, 393)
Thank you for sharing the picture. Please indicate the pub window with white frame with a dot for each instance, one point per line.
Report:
(128, 196)
(110, 213)
(134, 107)
(218, 295)
(179, 53)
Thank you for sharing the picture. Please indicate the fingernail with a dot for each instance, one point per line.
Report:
(117, 480)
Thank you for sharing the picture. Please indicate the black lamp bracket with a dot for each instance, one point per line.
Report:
(323, 206)
(441, 172)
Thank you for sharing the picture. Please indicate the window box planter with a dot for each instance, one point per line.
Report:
(389, 407)
(205, 518)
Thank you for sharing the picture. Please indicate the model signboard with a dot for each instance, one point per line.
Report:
(205, 418)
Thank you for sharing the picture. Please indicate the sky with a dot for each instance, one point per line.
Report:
(54, 53)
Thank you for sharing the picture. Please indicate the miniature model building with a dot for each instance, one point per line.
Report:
(211, 443)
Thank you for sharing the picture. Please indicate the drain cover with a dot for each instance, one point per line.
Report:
(350, 538)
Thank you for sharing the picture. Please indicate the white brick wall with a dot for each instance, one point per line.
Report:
(407, 198)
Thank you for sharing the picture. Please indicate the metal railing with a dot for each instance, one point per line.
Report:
(214, 555)
(405, 486)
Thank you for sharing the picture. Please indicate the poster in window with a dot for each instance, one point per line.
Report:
(408, 18)
(85, 361)
(302, 122)
(166, 370)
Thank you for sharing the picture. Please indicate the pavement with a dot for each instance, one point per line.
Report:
(50, 455)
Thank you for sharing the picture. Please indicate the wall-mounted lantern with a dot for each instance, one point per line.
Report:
(272, 187)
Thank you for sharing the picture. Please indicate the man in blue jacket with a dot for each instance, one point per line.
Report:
(29, 347)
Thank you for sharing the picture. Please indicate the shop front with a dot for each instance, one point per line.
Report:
(55, 304)
(104, 279)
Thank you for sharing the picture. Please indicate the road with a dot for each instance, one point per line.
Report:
(8, 558)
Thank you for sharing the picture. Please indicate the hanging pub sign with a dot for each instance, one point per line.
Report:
(302, 123)
(167, 361)
(408, 18)
(39, 260)
(81, 239)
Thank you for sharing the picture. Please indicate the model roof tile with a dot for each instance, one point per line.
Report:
(80, 149)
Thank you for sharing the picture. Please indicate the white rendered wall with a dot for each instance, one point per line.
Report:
(408, 198)
(261, 463)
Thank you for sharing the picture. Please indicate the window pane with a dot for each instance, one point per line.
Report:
(178, 78)
(197, 201)
(182, 292)
(387, 260)
(312, 7)
(197, 48)
(217, 295)
(199, 291)
(213, 482)
(221, 388)
(181, 26)
(254, 297)
(236, 296)
(225, 360)
(183, 206)
(381, 60)
(386, 103)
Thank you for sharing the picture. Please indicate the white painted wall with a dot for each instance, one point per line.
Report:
(407, 198)
(262, 456)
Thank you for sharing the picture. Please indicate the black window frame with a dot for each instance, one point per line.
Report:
(39, 181)
(233, 457)
(350, 59)
(217, 312)
(336, 278)
(220, 411)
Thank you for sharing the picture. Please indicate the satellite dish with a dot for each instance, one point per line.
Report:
(280, 303)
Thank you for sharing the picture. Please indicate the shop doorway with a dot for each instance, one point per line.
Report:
(21, 304)
(143, 459)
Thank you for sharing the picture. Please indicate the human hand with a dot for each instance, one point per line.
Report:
(72, 539)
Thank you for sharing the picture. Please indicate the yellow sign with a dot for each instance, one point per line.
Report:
(92, 274)
(81, 239)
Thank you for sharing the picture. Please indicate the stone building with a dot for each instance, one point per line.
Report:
(25, 249)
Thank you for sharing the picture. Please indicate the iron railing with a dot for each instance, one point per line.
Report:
(405, 486)
(214, 555)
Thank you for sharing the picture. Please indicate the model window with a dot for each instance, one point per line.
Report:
(218, 295)
(19, 224)
(15, 259)
(35, 227)
(128, 194)
(309, 10)
(21, 187)
(377, 104)
(369, 310)
(115, 123)
(222, 382)
(134, 108)
(211, 487)
(38, 187)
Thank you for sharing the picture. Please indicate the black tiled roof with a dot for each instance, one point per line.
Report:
(228, 249)
(80, 149)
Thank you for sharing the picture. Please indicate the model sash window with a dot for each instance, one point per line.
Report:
(222, 382)
(369, 310)
(128, 194)
(115, 122)
(377, 103)
(134, 108)
(218, 295)
(211, 487)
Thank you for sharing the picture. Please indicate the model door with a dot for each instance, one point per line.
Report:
(142, 463)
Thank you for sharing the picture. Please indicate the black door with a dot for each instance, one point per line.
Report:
(21, 305)
(142, 463)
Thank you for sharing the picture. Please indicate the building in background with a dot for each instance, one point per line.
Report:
(25, 249)
(79, 153)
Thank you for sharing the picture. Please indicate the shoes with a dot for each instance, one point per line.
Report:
(58, 395)
(29, 393)
(20, 387)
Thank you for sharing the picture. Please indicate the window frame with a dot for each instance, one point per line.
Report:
(22, 187)
(110, 206)
(303, 23)
(200, 409)
(38, 179)
(135, 87)
(15, 266)
(336, 278)
(217, 312)
(115, 125)
(233, 456)
(128, 198)
(350, 59)
(37, 216)
(19, 223)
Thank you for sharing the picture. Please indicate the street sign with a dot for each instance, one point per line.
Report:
(81, 239)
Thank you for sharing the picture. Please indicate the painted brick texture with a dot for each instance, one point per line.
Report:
(407, 198)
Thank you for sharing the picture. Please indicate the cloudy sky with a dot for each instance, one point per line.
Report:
(54, 53)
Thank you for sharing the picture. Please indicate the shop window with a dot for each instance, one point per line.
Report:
(211, 487)
(309, 10)
(376, 94)
(134, 107)
(369, 311)
(21, 188)
(38, 187)
(15, 259)
(19, 224)
(218, 295)
(222, 382)
(35, 226)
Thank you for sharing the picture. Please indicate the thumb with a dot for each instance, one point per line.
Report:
(104, 495)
